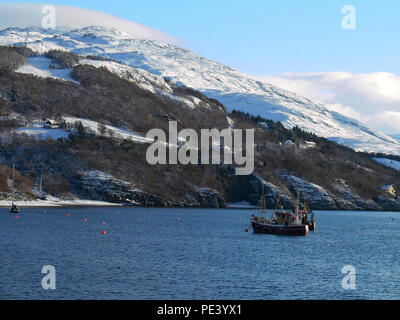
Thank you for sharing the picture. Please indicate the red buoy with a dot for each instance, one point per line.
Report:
(68, 214)
(85, 220)
(103, 223)
(103, 232)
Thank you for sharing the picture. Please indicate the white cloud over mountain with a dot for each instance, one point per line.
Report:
(30, 15)
(372, 98)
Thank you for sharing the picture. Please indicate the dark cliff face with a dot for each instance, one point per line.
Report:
(106, 188)
(388, 203)
(249, 188)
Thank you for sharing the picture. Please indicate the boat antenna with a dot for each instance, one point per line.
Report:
(260, 206)
(298, 202)
(263, 202)
(278, 201)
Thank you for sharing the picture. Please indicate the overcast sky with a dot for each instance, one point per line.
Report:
(299, 45)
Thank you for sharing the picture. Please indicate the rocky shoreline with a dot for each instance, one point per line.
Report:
(107, 190)
(100, 189)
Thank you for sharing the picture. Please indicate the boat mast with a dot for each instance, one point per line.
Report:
(297, 209)
(264, 204)
(262, 207)
(13, 178)
(278, 202)
(261, 201)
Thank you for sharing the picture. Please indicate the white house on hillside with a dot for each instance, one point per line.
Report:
(51, 124)
(389, 189)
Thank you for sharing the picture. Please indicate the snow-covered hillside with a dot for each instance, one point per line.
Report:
(234, 89)
(40, 66)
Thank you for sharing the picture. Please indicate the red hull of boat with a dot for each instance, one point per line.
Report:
(289, 230)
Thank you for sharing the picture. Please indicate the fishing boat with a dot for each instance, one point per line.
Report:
(280, 223)
(14, 208)
(306, 215)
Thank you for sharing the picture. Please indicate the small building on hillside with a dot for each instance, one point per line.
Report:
(289, 143)
(51, 124)
(307, 145)
(389, 189)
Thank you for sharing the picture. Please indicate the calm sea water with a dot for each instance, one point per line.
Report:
(194, 254)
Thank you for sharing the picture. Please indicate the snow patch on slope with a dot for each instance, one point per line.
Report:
(388, 163)
(41, 133)
(118, 133)
(40, 67)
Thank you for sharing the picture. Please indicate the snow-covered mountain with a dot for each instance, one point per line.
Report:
(232, 88)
